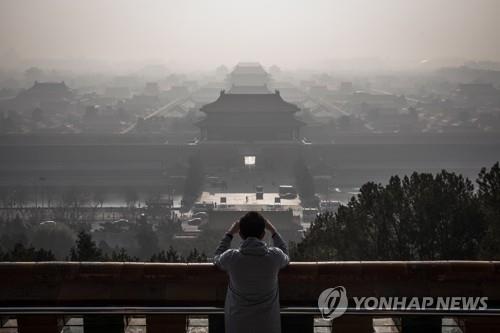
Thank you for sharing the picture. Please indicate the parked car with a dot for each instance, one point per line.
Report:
(201, 215)
(195, 221)
(287, 192)
(49, 222)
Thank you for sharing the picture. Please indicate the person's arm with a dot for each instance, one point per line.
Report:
(279, 243)
(221, 254)
(224, 244)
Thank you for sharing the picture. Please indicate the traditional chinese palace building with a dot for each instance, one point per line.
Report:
(250, 118)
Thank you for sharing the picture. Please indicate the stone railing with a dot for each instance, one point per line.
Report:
(41, 296)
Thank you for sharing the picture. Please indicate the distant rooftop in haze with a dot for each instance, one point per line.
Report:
(248, 74)
(267, 103)
(47, 90)
(51, 96)
(250, 117)
(253, 68)
(249, 90)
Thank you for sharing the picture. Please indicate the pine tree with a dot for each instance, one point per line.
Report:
(86, 249)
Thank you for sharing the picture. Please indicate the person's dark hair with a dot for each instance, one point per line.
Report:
(252, 224)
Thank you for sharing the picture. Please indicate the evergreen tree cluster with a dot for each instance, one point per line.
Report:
(22, 253)
(86, 250)
(420, 217)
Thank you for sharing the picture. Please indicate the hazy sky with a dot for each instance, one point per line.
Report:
(293, 33)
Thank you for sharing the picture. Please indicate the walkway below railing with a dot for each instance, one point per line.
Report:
(42, 296)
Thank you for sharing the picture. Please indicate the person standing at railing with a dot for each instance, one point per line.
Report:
(252, 298)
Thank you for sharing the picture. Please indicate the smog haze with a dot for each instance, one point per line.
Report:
(198, 34)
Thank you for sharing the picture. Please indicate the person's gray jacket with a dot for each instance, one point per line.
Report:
(252, 298)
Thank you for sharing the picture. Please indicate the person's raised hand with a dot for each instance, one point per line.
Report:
(235, 228)
(270, 227)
